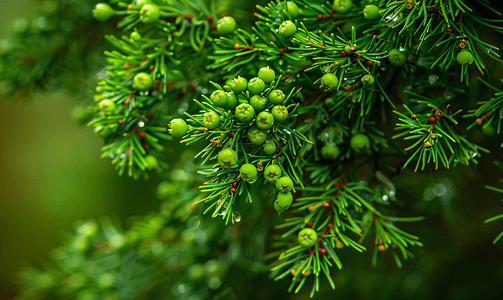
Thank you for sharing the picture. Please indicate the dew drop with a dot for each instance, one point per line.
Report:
(236, 216)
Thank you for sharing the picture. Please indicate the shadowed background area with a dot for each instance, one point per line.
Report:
(51, 176)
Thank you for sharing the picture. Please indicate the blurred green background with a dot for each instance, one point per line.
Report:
(51, 176)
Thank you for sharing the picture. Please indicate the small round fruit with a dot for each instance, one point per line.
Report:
(368, 80)
(464, 57)
(284, 184)
(226, 25)
(292, 9)
(245, 112)
(259, 103)
(371, 12)
(227, 158)
(329, 152)
(135, 36)
(397, 58)
(219, 98)
(196, 272)
(107, 107)
(248, 172)
(211, 120)
(257, 136)
(264, 120)
(104, 132)
(307, 237)
(287, 29)
(360, 142)
(276, 97)
(347, 49)
(329, 102)
(233, 101)
(278, 208)
(342, 6)
(178, 127)
(149, 13)
(238, 85)
(272, 173)
(280, 113)
(151, 162)
(142, 81)
(267, 75)
(270, 147)
(103, 12)
(329, 82)
(284, 199)
(256, 86)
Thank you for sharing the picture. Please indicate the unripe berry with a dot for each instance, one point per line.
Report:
(238, 85)
(264, 120)
(256, 86)
(280, 113)
(397, 58)
(245, 112)
(292, 9)
(142, 81)
(307, 237)
(276, 97)
(272, 173)
(226, 25)
(103, 12)
(342, 6)
(329, 82)
(287, 29)
(257, 136)
(270, 147)
(149, 13)
(464, 57)
(368, 80)
(284, 184)
(330, 152)
(248, 172)
(227, 158)
(211, 120)
(219, 98)
(178, 127)
(107, 107)
(371, 12)
(259, 103)
(267, 75)
(360, 142)
(284, 199)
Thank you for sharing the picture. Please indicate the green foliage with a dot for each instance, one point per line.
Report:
(290, 111)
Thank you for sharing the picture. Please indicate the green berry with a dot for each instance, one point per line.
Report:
(227, 158)
(238, 85)
(307, 237)
(329, 82)
(342, 6)
(142, 81)
(371, 12)
(103, 12)
(257, 136)
(267, 75)
(211, 120)
(360, 142)
(284, 184)
(245, 112)
(280, 113)
(256, 86)
(347, 49)
(264, 120)
(135, 36)
(368, 80)
(272, 173)
(104, 132)
(226, 25)
(292, 9)
(278, 208)
(284, 199)
(259, 103)
(140, 3)
(329, 102)
(233, 101)
(277, 97)
(397, 58)
(151, 162)
(178, 127)
(270, 147)
(464, 57)
(287, 29)
(149, 13)
(329, 152)
(107, 107)
(248, 172)
(219, 98)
